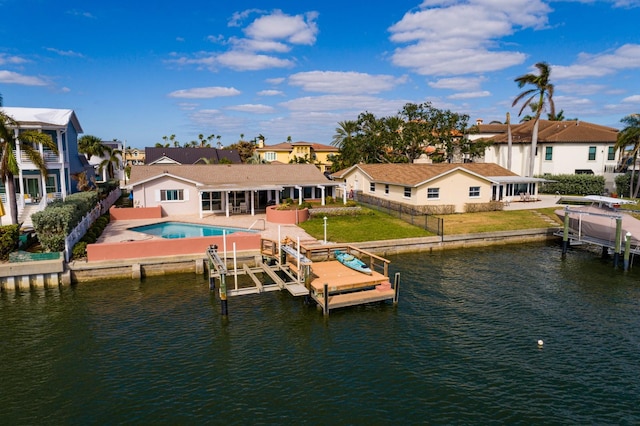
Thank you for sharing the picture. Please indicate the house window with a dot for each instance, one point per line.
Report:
(474, 191)
(407, 192)
(386, 189)
(171, 195)
(611, 153)
(548, 153)
(52, 185)
(592, 153)
(372, 187)
(270, 156)
(433, 193)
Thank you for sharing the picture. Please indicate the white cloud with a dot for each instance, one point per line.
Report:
(602, 64)
(204, 92)
(69, 53)
(243, 61)
(635, 99)
(253, 108)
(344, 82)
(435, 45)
(470, 95)
(270, 93)
(81, 13)
(13, 60)
(298, 29)
(458, 83)
(10, 77)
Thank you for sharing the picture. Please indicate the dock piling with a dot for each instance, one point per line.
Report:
(627, 250)
(396, 288)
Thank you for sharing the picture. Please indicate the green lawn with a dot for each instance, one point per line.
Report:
(374, 225)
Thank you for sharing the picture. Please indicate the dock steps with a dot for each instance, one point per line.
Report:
(356, 298)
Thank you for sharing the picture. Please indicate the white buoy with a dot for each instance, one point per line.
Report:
(540, 343)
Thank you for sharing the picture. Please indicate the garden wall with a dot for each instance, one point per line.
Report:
(287, 217)
(131, 213)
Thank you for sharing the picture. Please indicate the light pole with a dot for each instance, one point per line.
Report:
(325, 229)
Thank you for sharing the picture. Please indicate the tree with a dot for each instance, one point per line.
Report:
(90, 145)
(628, 143)
(113, 160)
(542, 96)
(28, 142)
(245, 149)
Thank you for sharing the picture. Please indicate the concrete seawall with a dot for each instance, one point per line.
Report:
(82, 271)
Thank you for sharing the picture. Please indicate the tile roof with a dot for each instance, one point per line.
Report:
(560, 132)
(415, 174)
(244, 175)
(190, 155)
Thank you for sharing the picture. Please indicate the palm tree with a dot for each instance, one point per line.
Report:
(28, 142)
(629, 139)
(113, 160)
(90, 145)
(541, 95)
(346, 130)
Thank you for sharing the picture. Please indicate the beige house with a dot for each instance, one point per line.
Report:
(225, 188)
(440, 184)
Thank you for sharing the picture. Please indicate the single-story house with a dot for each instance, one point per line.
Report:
(420, 184)
(225, 188)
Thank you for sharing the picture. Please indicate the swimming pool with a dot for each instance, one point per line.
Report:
(172, 230)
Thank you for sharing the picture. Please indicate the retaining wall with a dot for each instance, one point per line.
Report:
(287, 217)
(39, 274)
(132, 213)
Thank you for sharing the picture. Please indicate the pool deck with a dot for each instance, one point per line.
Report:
(118, 231)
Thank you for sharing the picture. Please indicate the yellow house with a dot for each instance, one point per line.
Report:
(453, 184)
(286, 152)
(134, 156)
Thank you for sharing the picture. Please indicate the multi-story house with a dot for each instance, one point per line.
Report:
(134, 156)
(117, 168)
(34, 190)
(308, 152)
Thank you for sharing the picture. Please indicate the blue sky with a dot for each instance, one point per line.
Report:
(138, 71)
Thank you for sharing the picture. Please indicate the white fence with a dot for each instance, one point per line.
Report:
(81, 229)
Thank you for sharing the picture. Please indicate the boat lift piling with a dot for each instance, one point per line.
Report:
(221, 268)
(627, 250)
(618, 246)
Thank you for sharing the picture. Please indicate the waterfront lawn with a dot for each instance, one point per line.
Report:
(375, 226)
(368, 226)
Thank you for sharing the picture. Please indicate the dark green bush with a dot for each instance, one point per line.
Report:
(572, 184)
(79, 250)
(9, 236)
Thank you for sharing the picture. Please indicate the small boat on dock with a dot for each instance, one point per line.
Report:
(352, 262)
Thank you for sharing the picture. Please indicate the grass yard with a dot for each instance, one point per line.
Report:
(374, 225)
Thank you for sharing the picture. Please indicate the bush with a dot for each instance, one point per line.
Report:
(491, 206)
(9, 237)
(572, 184)
(79, 250)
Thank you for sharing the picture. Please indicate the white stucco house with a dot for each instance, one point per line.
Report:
(563, 147)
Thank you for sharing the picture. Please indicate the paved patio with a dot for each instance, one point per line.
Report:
(118, 231)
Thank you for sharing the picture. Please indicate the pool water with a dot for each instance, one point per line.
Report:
(172, 230)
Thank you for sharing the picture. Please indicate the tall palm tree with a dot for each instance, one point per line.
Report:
(346, 130)
(629, 139)
(541, 94)
(90, 145)
(28, 142)
(113, 160)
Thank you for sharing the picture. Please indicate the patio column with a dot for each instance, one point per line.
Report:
(226, 203)
(344, 193)
(322, 189)
(200, 203)
(299, 188)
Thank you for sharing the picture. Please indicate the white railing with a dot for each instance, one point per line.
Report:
(81, 229)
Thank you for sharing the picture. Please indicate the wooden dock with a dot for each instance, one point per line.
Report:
(309, 271)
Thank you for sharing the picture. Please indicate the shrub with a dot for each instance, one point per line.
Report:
(9, 237)
(572, 184)
(491, 206)
(329, 200)
(79, 250)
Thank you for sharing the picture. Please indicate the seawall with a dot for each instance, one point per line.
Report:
(83, 271)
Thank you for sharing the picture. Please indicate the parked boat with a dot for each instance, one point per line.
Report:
(352, 262)
(599, 219)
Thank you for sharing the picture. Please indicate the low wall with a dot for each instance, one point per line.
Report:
(169, 247)
(287, 217)
(39, 274)
(131, 213)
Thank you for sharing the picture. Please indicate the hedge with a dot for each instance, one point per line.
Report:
(9, 237)
(572, 184)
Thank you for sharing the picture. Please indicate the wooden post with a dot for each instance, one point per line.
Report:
(565, 233)
(212, 280)
(326, 299)
(627, 250)
(616, 252)
(223, 296)
(396, 288)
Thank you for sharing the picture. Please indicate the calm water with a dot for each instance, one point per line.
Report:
(460, 348)
(184, 230)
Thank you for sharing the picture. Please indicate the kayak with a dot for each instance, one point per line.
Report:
(352, 262)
